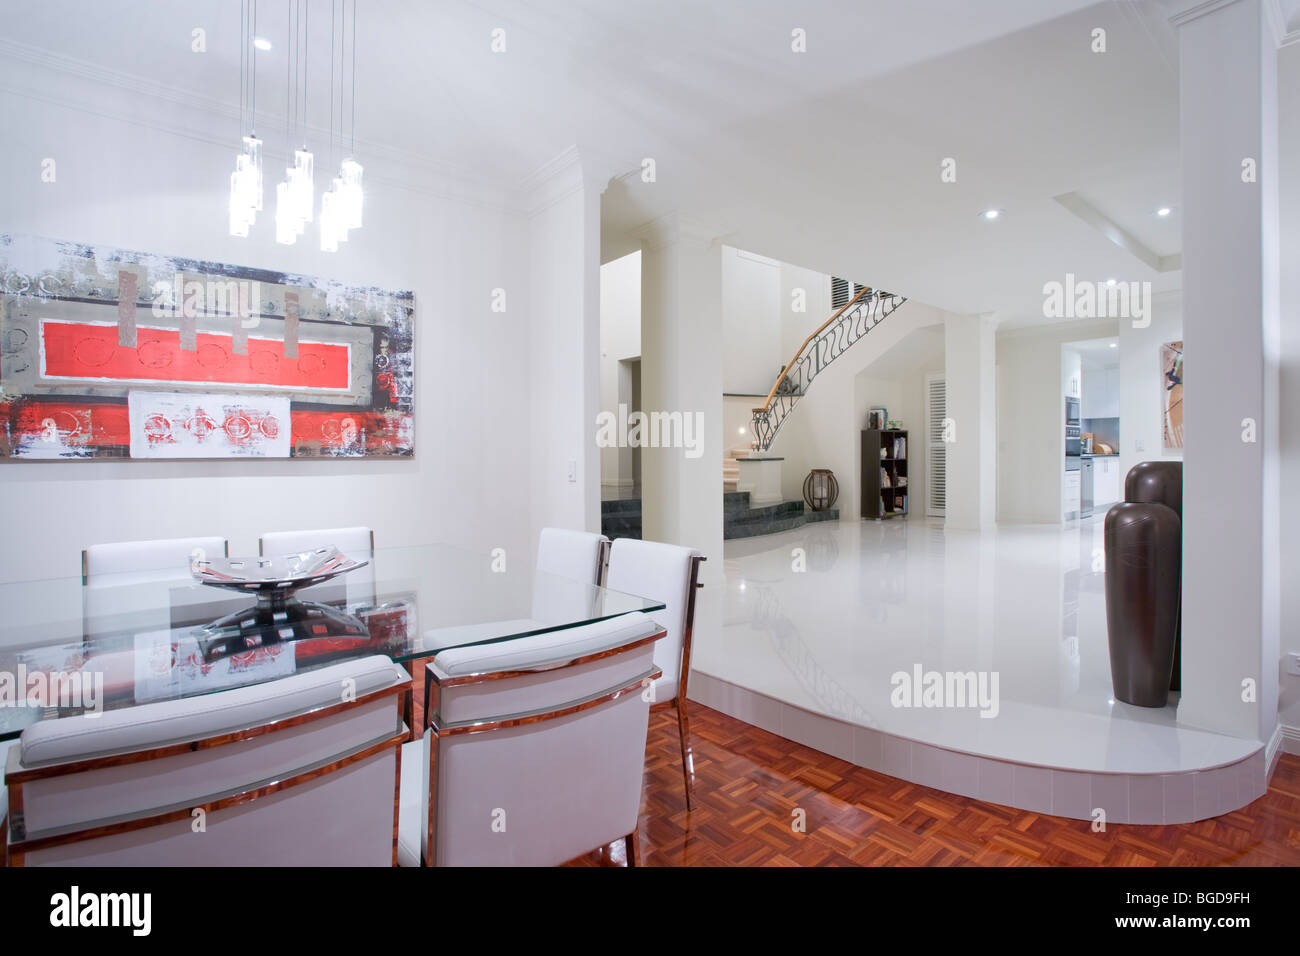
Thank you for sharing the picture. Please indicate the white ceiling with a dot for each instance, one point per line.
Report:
(829, 158)
(1097, 352)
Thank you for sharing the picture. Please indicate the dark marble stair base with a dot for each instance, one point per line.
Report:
(621, 518)
(739, 520)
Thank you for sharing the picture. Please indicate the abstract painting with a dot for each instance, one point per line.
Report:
(106, 353)
(1171, 383)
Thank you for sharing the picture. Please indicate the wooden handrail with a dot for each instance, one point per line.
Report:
(816, 332)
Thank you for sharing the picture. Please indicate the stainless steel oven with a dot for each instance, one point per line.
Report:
(1072, 433)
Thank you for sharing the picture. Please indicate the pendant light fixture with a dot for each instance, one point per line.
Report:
(246, 180)
(295, 197)
(341, 204)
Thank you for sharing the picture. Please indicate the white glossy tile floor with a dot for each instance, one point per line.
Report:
(1025, 602)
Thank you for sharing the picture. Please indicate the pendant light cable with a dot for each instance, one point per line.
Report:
(302, 57)
(354, 78)
(253, 118)
(243, 63)
(288, 72)
(332, 24)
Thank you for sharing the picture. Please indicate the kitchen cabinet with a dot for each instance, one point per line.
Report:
(1070, 495)
(1100, 393)
(1106, 483)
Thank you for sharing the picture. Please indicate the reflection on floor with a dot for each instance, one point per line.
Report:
(749, 782)
(822, 617)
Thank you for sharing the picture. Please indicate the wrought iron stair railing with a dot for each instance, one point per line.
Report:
(832, 339)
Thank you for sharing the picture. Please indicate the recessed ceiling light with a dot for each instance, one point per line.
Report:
(1110, 282)
(991, 213)
(742, 429)
(1114, 345)
(262, 43)
(1163, 211)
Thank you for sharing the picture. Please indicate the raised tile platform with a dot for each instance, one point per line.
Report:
(815, 622)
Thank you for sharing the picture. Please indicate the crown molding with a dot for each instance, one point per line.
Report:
(1279, 21)
(672, 228)
(552, 182)
(1274, 17)
(429, 176)
(1198, 10)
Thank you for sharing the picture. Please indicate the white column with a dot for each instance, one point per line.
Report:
(563, 310)
(681, 372)
(970, 373)
(1228, 103)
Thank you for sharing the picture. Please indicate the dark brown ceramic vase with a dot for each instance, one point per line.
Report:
(1143, 569)
(1162, 482)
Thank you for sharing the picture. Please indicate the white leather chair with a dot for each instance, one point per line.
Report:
(354, 588)
(572, 554)
(144, 585)
(298, 771)
(5, 746)
(667, 573)
(579, 555)
(356, 543)
(135, 557)
(534, 750)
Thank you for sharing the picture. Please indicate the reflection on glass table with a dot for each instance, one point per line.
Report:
(68, 648)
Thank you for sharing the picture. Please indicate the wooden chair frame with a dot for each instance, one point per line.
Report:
(438, 731)
(18, 844)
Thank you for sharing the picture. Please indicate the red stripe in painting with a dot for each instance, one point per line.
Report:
(342, 432)
(71, 423)
(85, 351)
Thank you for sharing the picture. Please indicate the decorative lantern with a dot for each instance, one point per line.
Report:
(820, 489)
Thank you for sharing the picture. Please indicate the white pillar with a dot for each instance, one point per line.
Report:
(563, 311)
(1228, 104)
(681, 372)
(970, 373)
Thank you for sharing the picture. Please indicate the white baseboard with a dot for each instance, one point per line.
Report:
(1288, 740)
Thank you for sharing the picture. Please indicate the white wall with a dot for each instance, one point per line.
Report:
(563, 332)
(970, 385)
(620, 339)
(1141, 392)
(737, 413)
(133, 186)
(751, 322)
(1289, 187)
(1031, 418)
(812, 290)
(681, 343)
(1231, 280)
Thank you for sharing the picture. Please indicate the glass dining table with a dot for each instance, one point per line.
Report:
(70, 647)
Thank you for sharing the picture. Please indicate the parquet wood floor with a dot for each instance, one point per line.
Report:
(748, 782)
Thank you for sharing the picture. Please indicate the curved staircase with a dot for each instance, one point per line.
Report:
(829, 341)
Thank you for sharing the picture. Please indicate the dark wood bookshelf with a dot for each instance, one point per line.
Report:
(882, 468)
